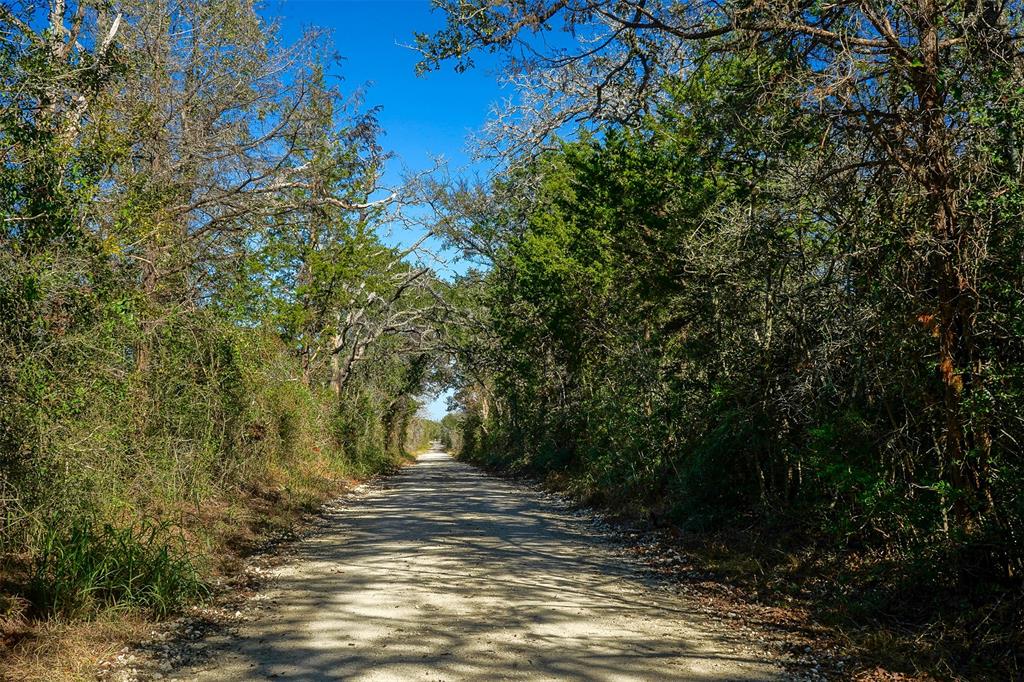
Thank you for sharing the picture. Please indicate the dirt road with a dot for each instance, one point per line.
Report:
(446, 573)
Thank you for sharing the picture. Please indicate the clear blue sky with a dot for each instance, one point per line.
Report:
(422, 117)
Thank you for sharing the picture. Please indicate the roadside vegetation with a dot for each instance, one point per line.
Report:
(201, 334)
(755, 272)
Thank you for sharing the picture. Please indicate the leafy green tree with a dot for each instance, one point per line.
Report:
(706, 317)
(901, 87)
(195, 300)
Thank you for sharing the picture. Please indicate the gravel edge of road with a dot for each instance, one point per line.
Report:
(179, 643)
(806, 654)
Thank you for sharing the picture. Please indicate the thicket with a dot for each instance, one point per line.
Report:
(773, 283)
(194, 304)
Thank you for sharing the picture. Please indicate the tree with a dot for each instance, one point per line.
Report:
(190, 256)
(902, 87)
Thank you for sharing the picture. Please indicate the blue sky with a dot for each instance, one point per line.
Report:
(422, 117)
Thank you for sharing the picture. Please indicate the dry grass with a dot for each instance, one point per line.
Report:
(55, 651)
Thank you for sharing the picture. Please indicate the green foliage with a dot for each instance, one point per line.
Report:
(85, 566)
(689, 319)
(451, 432)
(173, 296)
(422, 432)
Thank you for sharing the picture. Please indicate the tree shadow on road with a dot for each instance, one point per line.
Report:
(450, 574)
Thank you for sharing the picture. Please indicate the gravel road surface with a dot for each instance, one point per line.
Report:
(446, 573)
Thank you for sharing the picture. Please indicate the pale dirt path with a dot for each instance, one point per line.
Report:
(445, 573)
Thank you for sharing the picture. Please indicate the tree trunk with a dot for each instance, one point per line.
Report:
(964, 442)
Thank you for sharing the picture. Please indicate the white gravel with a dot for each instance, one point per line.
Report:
(446, 573)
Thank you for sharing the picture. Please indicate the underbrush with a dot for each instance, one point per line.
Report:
(89, 589)
(127, 487)
(888, 609)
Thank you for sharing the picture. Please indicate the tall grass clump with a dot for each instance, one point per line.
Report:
(88, 566)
